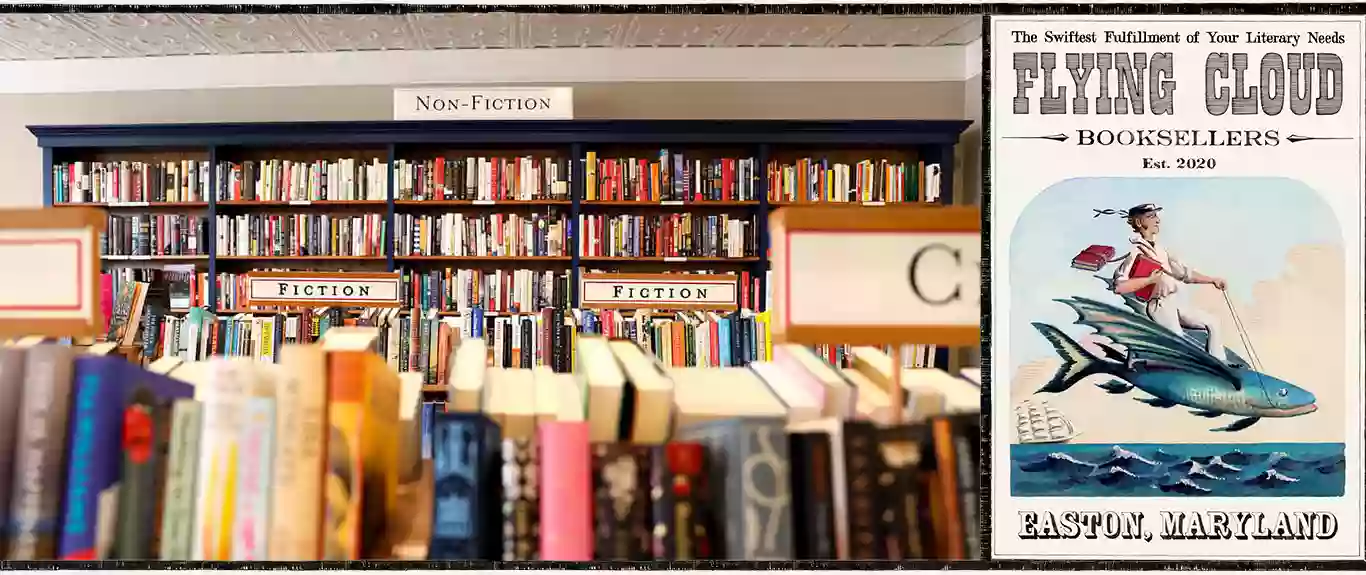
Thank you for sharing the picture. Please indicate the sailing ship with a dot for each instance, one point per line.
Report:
(1042, 423)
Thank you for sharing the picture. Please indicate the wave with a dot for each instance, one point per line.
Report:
(1178, 469)
(1059, 462)
(1270, 479)
(1185, 486)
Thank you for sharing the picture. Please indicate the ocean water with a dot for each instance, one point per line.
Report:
(1173, 470)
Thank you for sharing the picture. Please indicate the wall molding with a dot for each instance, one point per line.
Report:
(493, 67)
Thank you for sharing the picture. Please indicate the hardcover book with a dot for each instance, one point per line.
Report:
(748, 461)
(466, 516)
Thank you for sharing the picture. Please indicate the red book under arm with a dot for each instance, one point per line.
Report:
(1144, 266)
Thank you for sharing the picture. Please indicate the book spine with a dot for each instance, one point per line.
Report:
(966, 447)
(93, 468)
(860, 452)
(225, 397)
(345, 481)
(146, 437)
(40, 450)
(677, 479)
(177, 522)
(463, 463)
(252, 517)
(621, 502)
(761, 465)
(301, 433)
(11, 398)
(566, 492)
(813, 504)
(520, 500)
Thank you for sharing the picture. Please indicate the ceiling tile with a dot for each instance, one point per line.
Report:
(253, 33)
(50, 37)
(680, 30)
(786, 31)
(145, 34)
(454, 31)
(901, 31)
(573, 30)
(347, 33)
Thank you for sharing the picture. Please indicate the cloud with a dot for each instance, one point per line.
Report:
(1297, 323)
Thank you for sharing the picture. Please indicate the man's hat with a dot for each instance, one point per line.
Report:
(1142, 209)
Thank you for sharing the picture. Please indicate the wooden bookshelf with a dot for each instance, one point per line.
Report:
(565, 144)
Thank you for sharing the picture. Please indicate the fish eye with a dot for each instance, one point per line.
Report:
(1284, 392)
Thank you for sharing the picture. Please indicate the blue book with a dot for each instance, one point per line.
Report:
(723, 334)
(467, 510)
(102, 388)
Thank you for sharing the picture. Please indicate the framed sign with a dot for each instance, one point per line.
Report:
(659, 291)
(316, 289)
(437, 103)
(52, 262)
(876, 276)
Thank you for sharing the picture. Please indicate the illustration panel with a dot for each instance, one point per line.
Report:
(1177, 304)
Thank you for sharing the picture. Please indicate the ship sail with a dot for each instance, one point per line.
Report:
(1042, 423)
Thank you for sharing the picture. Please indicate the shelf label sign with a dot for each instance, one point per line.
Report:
(56, 256)
(717, 292)
(887, 275)
(320, 289)
(415, 104)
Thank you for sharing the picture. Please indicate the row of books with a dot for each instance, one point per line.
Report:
(300, 235)
(482, 179)
(130, 181)
(496, 235)
(155, 235)
(282, 180)
(821, 180)
(669, 178)
(667, 235)
(634, 460)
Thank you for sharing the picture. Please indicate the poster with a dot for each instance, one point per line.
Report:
(1177, 302)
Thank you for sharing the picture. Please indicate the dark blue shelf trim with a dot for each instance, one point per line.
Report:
(857, 133)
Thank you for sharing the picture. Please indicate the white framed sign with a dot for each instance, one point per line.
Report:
(1177, 296)
(318, 289)
(659, 291)
(484, 103)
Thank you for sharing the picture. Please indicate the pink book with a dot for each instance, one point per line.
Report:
(106, 299)
(566, 492)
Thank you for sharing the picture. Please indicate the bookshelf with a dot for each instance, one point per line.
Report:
(859, 154)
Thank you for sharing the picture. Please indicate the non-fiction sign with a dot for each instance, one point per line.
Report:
(659, 291)
(52, 260)
(876, 276)
(316, 289)
(484, 103)
(1177, 295)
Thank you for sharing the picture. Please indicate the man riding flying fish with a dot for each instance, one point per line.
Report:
(1173, 353)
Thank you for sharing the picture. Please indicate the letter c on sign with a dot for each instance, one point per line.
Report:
(914, 269)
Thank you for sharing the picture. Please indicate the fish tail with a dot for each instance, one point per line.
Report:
(1077, 363)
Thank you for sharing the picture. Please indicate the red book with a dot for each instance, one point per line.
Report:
(566, 492)
(1144, 266)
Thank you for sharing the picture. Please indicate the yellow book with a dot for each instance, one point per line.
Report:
(362, 453)
(224, 394)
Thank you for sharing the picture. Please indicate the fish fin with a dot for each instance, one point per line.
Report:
(1115, 386)
(1147, 340)
(1205, 413)
(1077, 363)
(1112, 353)
(1239, 425)
(1156, 402)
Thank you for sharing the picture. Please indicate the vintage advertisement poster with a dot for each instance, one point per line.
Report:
(1177, 301)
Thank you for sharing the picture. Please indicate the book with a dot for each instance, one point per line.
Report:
(666, 236)
(621, 502)
(668, 177)
(146, 433)
(813, 526)
(251, 520)
(466, 522)
(1145, 266)
(177, 520)
(482, 178)
(224, 394)
(566, 512)
(155, 235)
(521, 502)
(304, 235)
(881, 180)
(481, 234)
(300, 447)
(678, 484)
(40, 453)
(748, 470)
(11, 400)
(124, 181)
(322, 179)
